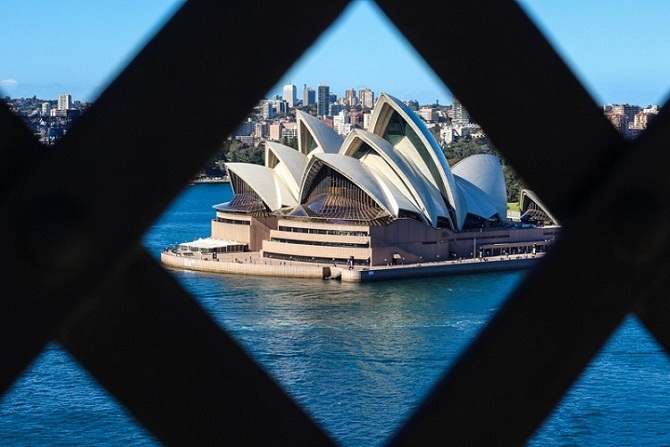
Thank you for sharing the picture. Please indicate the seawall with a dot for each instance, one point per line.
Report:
(258, 267)
(439, 269)
(286, 270)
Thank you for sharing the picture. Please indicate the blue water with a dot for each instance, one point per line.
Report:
(358, 357)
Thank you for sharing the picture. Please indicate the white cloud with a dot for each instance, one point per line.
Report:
(9, 83)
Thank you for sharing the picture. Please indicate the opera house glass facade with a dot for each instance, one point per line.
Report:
(376, 197)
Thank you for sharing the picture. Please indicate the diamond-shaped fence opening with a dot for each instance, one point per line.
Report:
(151, 346)
(80, 56)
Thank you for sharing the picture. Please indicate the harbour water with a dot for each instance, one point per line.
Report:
(358, 357)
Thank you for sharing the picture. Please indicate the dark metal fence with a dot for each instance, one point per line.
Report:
(81, 278)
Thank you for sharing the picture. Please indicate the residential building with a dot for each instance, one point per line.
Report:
(275, 131)
(350, 98)
(341, 123)
(429, 114)
(289, 130)
(366, 98)
(459, 115)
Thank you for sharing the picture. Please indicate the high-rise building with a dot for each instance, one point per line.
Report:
(280, 106)
(459, 115)
(290, 94)
(323, 100)
(46, 109)
(308, 96)
(64, 101)
(268, 110)
(366, 98)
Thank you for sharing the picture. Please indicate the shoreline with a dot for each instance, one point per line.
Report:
(250, 263)
(197, 181)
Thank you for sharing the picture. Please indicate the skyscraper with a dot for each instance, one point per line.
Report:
(323, 100)
(64, 101)
(290, 94)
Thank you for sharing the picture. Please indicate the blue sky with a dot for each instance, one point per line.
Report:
(619, 49)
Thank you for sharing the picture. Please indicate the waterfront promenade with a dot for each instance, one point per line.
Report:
(250, 263)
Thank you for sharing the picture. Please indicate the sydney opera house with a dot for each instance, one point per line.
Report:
(384, 196)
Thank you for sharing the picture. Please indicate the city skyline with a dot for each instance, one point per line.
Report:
(613, 49)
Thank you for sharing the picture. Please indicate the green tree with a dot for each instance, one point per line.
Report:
(244, 153)
(435, 130)
(290, 142)
(465, 147)
(513, 184)
(216, 166)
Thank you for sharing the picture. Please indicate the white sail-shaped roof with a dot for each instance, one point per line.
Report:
(403, 174)
(398, 200)
(529, 199)
(353, 170)
(485, 172)
(287, 162)
(316, 136)
(374, 184)
(266, 183)
(396, 169)
(476, 201)
(418, 145)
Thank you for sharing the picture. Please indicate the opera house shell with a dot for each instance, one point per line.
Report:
(382, 196)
